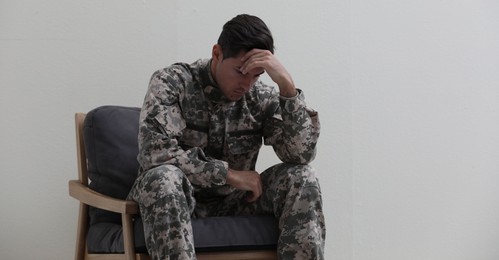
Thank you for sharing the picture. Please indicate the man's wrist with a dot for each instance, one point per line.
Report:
(288, 93)
(287, 89)
(229, 177)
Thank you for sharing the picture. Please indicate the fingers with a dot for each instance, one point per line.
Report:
(255, 188)
(253, 195)
(246, 180)
(257, 59)
(256, 53)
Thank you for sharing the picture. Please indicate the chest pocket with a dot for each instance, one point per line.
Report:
(243, 144)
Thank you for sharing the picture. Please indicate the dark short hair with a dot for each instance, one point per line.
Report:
(243, 33)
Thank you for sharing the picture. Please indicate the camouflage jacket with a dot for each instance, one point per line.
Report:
(186, 121)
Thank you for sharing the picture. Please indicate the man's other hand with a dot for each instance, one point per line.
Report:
(246, 180)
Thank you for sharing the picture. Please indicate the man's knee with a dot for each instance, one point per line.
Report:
(296, 174)
(295, 191)
(162, 181)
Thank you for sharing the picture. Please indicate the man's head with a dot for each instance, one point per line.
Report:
(239, 35)
(244, 33)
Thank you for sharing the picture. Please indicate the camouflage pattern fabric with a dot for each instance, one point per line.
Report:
(190, 135)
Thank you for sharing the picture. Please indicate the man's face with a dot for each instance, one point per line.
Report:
(232, 82)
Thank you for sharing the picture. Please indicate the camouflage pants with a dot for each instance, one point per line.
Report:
(290, 192)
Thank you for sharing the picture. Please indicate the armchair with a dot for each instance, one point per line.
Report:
(110, 227)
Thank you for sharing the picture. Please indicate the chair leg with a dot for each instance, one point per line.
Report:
(81, 232)
(128, 240)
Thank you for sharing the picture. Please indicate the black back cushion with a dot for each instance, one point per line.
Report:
(110, 135)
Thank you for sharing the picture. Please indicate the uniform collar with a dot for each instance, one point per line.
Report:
(210, 87)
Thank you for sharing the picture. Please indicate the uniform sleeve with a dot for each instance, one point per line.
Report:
(293, 130)
(161, 126)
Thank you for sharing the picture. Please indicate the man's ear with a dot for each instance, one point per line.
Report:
(216, 53)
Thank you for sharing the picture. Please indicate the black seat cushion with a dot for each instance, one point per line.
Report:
(110, 136)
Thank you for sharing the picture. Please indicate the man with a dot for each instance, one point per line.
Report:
(201, 127)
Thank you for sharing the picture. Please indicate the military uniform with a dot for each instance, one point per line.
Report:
(191, 134)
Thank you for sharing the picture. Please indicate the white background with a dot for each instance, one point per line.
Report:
(407, 92)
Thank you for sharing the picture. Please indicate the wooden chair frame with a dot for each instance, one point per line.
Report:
(79, 190)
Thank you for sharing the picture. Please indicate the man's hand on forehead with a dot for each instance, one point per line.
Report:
(267, 61)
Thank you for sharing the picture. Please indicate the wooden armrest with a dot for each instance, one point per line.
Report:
(90, 197)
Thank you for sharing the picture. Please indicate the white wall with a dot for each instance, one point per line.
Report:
(407, 92)
(425, 80)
